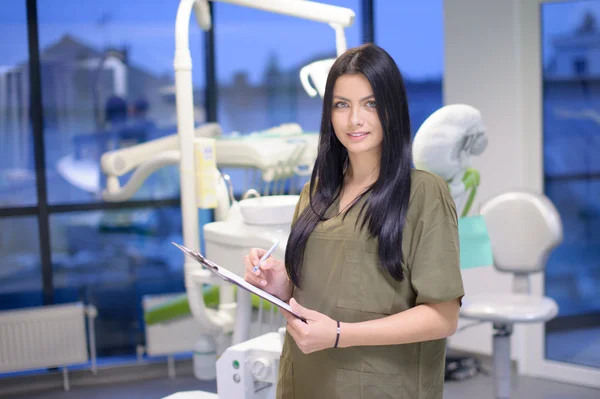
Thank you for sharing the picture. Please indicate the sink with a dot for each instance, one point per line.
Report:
(269, 210)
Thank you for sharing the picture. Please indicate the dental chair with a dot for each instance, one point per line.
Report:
(445, 145)
(524, 228)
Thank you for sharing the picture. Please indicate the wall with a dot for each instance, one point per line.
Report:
(491, 53)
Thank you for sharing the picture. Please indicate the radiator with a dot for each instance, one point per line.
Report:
(46, 336)
(174, 337)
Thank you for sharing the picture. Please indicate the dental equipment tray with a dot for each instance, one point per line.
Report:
(237, 280)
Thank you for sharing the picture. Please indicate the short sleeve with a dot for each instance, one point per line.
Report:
(435, 269)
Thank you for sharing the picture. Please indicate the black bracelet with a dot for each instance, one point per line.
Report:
(337, 339)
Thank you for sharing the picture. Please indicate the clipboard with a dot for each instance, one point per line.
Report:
(237, 280)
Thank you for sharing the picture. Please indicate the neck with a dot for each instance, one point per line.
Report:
(363, 169)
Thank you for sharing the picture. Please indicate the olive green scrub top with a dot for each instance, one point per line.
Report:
(342, 278)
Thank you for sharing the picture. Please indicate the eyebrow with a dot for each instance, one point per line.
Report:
(362, 99)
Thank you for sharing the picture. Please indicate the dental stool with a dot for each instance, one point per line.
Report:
(523, 228)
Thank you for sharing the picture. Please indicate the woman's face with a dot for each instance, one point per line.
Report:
(354, 114)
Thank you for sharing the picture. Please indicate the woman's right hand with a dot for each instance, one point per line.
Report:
(270, 277)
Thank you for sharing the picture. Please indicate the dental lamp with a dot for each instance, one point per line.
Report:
(337, 17)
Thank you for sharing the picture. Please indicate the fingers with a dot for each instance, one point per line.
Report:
(254, 257)
(249, 267)
(288, 316)
(293, 322)
(308, 314)
(299, 333)
(256, 278)
(268, 263)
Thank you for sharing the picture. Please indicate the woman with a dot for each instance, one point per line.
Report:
(372, 260)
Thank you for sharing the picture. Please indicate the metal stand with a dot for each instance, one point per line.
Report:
(501, 360)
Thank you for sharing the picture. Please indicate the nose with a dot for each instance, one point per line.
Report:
(356, 117)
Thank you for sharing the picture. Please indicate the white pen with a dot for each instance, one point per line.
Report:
(265, 256)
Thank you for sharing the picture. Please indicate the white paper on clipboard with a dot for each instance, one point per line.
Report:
(237, 280)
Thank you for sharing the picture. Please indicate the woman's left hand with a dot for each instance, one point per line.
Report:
(318, 333)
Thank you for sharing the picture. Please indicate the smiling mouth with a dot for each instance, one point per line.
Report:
(358, 134)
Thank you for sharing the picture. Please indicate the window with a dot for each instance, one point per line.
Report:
(571, 127)
(258, 61)
(17, 169)
(20, 268)
(20, 274)
(107, 83)
(111, 259)
(413, 33)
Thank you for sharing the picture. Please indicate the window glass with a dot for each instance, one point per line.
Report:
(259, 58)
(20, 270)
(17, 164)
(111, 259)
(571, 128)
(413, 33)
(108, 83)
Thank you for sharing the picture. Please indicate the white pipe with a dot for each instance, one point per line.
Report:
(185, 126)
(311, 10)
(243, 320)
(114, 193)
(202, 11)
(211, 322)
(340, 39)
(120, 162)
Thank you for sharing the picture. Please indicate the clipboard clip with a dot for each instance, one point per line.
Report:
(202, 260)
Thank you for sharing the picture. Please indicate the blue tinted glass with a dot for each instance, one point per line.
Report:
(259, 58)
(112, 260)
(20, 268)
(413, 33)
(571, 123)
(108, 83)
(17, 165)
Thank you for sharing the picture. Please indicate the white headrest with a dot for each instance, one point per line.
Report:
(447, 139)
(524, 228)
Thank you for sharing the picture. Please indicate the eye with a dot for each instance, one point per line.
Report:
(340, 104)
(371, 104)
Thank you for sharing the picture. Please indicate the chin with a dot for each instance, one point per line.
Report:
(360, 148)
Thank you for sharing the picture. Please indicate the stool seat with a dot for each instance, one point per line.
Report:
(508, 308)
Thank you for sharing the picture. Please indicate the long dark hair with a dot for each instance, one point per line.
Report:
(385, 208)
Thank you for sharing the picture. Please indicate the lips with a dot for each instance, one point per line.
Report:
(356, 136)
